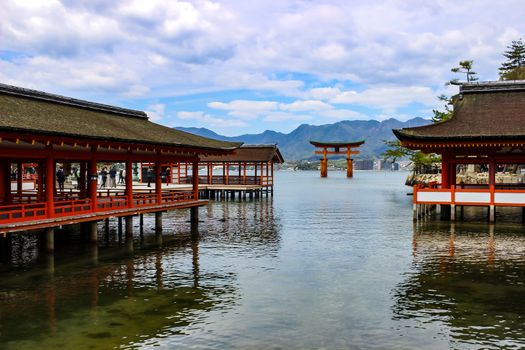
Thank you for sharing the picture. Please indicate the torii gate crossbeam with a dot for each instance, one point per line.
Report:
(343, 147)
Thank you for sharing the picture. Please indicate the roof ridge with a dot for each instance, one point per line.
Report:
(40, 95)
(486, 86)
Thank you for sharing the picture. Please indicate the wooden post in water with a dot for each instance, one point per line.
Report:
(158, 222)
(50, 240)
(324, 164)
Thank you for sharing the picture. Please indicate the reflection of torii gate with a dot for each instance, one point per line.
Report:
(339, 148)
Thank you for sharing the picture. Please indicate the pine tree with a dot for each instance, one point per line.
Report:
(514, 67)
(466, 68)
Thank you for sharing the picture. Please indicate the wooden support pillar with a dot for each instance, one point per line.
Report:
(349, 167)
(19, 174)
(492, 214)
(414, 212)
(93, 231)
(50, 186)
(194, 215)
(195, 173)
(5, 181)
(227, 173)
(50, 240)
(194, 221)
(129, 226)
(119, 228)
(453, 212)
(324, 164)
(224, 173)
(129, 183)
(82, 179)
(158, 182)
(92, 183)
(445, 171)
(106, 228)
(210, 173)
(158, 221)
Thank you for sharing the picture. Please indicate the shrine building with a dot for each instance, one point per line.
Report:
(482, 150)
(50, 134)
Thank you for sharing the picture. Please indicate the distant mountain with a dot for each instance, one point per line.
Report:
(296, 145)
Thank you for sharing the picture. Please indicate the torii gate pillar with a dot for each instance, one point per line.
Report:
(338, 148)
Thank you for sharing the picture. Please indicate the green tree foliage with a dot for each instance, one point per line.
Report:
(514, 67)
(421, 162)
(465, 67)
(441, 116)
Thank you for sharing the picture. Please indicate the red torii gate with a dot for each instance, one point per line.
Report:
(340, 147)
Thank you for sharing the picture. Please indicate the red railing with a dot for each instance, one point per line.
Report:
(29, 211)
(72, 207)
(112, 202)
(23, 212)
(179, 196)
(144, 199)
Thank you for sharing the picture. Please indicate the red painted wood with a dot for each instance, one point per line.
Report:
(50, 184)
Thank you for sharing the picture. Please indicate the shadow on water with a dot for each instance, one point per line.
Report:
(469, 278)
(130, 293)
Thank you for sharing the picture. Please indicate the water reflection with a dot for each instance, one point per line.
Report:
(113, 303)
(131, 293)
(469, 278)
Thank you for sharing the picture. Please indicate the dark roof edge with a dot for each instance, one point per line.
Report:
(492, 86)
(40, 95)
(334, 143)
(401, 135)
(265, 145)
(233, 147)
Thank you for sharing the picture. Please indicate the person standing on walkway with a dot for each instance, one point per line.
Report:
(104, 177)
(61, 178)
(113, 177)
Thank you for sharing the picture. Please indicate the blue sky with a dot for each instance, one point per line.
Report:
(246, 66)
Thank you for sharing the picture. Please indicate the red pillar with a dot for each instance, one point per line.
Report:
(129, 182)
(92, 183)
(5, 181)
(50, 186)
(445, 171)
(19, 174)
(82, 179)
(195, 174)
(40, 179)
(158, 182)
(492, 173)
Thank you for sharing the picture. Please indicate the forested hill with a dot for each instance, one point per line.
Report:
(296, 146)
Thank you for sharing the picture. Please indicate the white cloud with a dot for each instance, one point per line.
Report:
(388, 98)
(305, 105)
(324, 93)
(246, 109)
(209, 120)
(156, 112)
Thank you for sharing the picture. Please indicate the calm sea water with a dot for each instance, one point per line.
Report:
(324, 264)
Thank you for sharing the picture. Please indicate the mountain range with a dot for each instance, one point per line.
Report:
(296, 146)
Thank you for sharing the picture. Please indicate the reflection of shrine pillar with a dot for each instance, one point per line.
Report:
(159, 270)
(349, 167)
(491, 249)
(51, 308)
(195, 261)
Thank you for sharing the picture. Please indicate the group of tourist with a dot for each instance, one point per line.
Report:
(112, 177)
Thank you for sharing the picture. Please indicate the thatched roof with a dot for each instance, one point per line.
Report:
(249, 153)
(482, 112)
(40, 113)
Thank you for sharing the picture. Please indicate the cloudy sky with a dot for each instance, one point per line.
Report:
(246, 66)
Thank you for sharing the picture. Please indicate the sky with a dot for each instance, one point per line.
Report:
(239, 67)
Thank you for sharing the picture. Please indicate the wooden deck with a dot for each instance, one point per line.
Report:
(95, 216)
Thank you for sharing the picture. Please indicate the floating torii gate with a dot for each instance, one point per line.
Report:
(340, 147)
